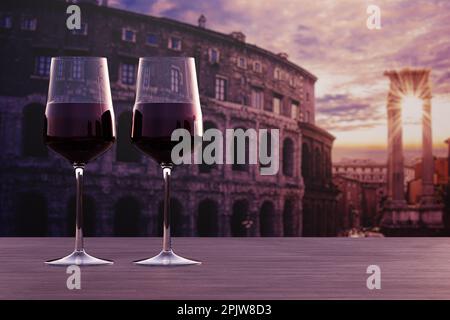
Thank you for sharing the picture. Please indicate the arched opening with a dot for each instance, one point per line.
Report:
(31, 215)
(267, 220)
(127, 217)
(89, 218)
(306, 162)
(203, 167)
(268, 147)
(236, 166)
(33, 126)
(308, 220)
(177, 220)
(125, 150)
(238, 218)
(318, 164)
(290, 219)
(288, 157)
(207, 220)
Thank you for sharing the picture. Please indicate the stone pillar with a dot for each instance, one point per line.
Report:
(427, 155)
(395, 185)
(448, 159)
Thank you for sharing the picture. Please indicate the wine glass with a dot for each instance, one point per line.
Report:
(166, 99)
(79, 125)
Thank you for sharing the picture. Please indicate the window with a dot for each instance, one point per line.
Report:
(83, 31)
(5, 22)
(257, 98)
(128, 35)
(294, 109)
(152, 39)
(307, 96)
(175, 79)
(242, 63)
(42, 66)
(277, 74)
(32, 128)
(128, 74)
(307, 116)
(77, 70)
(292, 82)
(288, 157)
(214, 55)
(221, 89)
(276, 104)
(28, 23)
(175, 43)
(257, 66)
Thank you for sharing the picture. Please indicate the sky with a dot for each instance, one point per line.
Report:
(330, 39)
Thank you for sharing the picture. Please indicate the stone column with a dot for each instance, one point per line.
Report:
(427, 155)
(396, 194)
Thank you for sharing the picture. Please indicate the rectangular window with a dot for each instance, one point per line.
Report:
(175, 43)
(152, 39)
(221, 89)
(83, 31)
(5, 21)
(175, 80)
(307, 116)
(28, 23)
(277, 74)
(294, 109)
(214, 55)
(276, 104)
(292, 82)
(128, 35)
(128, 74)
(307, 96)
(77, 70)
(242, 63)
(257, 66)
(257, 98)
(42, 66)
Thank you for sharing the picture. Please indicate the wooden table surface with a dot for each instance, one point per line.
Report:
(233, 268)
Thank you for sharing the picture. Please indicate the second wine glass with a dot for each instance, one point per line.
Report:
(167, 99)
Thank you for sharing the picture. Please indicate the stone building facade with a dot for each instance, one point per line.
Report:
(241, 86)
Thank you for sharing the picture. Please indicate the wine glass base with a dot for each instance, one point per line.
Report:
(167, 259)
(79, 258)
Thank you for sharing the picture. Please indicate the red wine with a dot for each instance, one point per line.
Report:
(80, 132)
(153, 124)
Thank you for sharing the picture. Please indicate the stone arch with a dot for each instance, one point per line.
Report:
(239, 215)
(318, 165)
(241, 167)
(177, 219)
(290, 219)
(89, 216)
(308, 220)
(125, 150)
(306, 162)
(33, 126)
(267, 220)
(127, 217)
(206, 168)
(31, 215)
(207, 218)
(288, 157)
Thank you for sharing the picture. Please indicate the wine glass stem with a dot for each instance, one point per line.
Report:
(167, 244)
(79, 242)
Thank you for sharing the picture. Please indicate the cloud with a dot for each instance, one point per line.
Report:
(330, 39)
